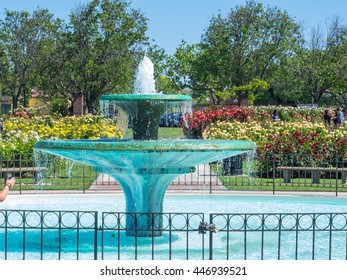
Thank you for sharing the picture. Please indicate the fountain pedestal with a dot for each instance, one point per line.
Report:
(144, 110)
(144, 192)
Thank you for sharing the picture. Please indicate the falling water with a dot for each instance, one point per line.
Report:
(144, 77)
(45, 162)
(239, 170)
(251, 168)
(52, 167)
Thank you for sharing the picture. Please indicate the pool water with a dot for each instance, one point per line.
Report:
(226, 245)
(212, 203)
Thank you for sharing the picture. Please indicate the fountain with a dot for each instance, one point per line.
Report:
(144, 166)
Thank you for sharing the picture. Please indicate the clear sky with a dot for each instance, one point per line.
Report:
(171, 21)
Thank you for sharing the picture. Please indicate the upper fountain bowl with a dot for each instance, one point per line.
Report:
(144, 110)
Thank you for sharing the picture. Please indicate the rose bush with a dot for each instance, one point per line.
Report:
(300, 137)
(283, 137)
(195, 123)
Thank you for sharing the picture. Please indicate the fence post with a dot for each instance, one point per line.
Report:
(84, 176)
(210, 165)
(96, 235)
(336, 175)
(273, 173)
(20, 173)
(210, 251)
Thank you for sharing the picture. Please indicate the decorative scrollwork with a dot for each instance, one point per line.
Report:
(36, 219)
(281, 222)
(167, 221)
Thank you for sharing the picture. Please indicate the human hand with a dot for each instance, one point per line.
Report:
(10, 182)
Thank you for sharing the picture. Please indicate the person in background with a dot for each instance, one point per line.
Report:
(275, 116)
(7, 187)
(342, 117)
(339, 118)
(327, 118)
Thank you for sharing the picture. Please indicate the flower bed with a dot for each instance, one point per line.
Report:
(299, 132)
(199, 120)
(283, 137)
(21, 133)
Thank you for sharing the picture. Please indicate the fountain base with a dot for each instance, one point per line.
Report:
(144, 192)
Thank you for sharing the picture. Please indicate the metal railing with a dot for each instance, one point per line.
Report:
(58, 174)
(178, 238)
(328, 174)
(239, 236)
(278, 236)
(75, 235)
(34, 234)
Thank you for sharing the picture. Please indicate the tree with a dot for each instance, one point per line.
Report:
(159, 59)
(318, 66)
(98, 51)
(23, 40)
(339, 90)
(185, 71)
(181, 69)
(317, 69)
(247, 44)
(251, 88)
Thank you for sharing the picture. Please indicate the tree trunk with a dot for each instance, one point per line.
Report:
(14, 102)
(77, 105)
(213, 97)
(242, 99)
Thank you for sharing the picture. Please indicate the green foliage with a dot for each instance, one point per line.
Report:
(61, 106)
(246, 44)
(316, 68)
(251, 88)
(223, 95)
(98, 51)
(181, 67)
(24, 38)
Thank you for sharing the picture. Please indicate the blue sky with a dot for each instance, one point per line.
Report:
(171, 21)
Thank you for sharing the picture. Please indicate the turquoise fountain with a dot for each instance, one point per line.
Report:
(144, 166)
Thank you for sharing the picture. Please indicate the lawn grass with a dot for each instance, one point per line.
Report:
(81, 177)
(242, 183)
(163, 132)
(254, 183)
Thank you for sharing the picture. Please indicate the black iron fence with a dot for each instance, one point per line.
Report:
(87, 235)
(34, 234)
(272, 173)
(177, 239)
(290, 236)
(56, 174)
